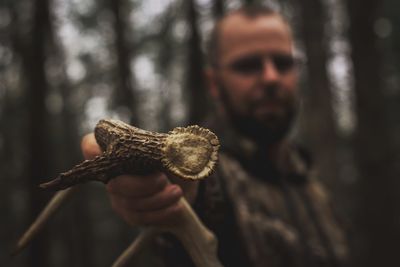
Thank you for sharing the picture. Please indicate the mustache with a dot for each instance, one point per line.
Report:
(279, 100)
(273, 94)
(268, 100)
(270, 93)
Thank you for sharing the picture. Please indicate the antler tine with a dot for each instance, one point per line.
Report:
(198, 241)
(141, 240)
(44, 216)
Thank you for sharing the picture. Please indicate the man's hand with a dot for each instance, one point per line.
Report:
(143, 200)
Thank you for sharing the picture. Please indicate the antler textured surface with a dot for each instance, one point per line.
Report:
(189, 153)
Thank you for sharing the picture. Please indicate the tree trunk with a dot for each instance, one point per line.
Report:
(166, 53)
(195, 84)
(377, 211)
(77, 240)
(218, 8)
(318, 117)
(249, 2)
(124, 91)
(34, 59)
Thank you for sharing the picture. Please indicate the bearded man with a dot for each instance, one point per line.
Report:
(263, 203)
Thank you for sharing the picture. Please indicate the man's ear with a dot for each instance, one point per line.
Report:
(212, 83)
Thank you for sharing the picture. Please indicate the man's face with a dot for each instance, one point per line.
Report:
(256, 76)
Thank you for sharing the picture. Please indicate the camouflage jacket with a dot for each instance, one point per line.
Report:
(263, 214)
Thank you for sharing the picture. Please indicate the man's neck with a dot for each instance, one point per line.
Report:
(277, 153)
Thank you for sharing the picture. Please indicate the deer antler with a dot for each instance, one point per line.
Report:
(189, 153)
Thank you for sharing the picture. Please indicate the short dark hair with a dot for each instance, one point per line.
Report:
(249, 11)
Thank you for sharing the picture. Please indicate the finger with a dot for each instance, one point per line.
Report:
(130, 186)
(89, 146)
(189, 187)
(169, 215)
(167, 197)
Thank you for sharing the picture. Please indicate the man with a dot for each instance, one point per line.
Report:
(262, 202)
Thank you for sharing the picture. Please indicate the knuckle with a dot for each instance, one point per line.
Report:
(136, 205)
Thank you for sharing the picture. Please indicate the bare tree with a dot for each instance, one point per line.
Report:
(249, 2)
(218, 8)
(124, 91)
(195, 85)
(33, 55)
(318, 122)
(65, 132)
(377, 210)
(167, 51)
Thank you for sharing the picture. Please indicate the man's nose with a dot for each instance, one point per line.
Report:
(270, 74)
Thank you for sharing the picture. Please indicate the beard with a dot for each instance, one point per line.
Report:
(267, 120)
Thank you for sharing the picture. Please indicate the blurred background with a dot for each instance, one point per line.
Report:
(66, 64)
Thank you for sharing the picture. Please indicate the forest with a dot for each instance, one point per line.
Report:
(64, 65)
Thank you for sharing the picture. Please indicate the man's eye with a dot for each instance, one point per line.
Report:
(247, 65)
(283, 63)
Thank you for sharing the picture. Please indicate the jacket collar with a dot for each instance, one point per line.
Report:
(292, 165)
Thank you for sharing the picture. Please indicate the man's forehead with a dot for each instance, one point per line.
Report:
(238, 27)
